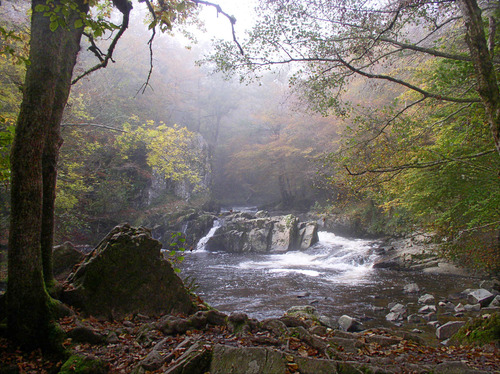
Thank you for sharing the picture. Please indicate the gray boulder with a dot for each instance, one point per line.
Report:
(447, 330)
(480, 296)
(427, 299)
(349, 324)
(64, 259)
(244, 232)
(411, 288)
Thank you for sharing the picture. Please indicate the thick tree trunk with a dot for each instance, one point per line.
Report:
(47, 83)
(487, 84)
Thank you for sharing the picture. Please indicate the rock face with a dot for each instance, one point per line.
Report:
(65, 257)
(126, 274)
(245, 232)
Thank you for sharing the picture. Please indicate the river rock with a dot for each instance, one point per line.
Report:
(495, 303)
(426, 299)
(472, 307)
(248, 233)
(480, 296)
(411, 288)
(447, 330)
(126, 274)
(427, 309)
(64, 258)
(349, 324)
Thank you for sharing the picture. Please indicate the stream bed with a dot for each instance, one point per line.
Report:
(335, 276)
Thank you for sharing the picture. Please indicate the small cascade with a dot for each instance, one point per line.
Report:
(200, 247)
(184, 227)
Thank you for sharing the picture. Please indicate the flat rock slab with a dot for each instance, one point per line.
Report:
(252, 360)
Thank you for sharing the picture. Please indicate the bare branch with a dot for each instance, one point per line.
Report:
(231, 19)
(109, 54)
(93, 125)
(421, 165)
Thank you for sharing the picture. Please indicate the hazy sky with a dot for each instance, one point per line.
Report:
(219, 27)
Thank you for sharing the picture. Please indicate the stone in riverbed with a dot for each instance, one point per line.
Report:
(427, 309)
(349, 324)
(411, 288)
(426, 299)
(495, 303)
(447, 330)
(480, 296)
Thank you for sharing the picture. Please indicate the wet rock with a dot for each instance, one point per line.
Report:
(434, 324)
(349, 324)
(411, 288)
(303, 294)
(328, 322)
(472, 307)
(306, 337)
(398, 312)
(430, 316)
(459, 308)
(480, 296)
(249, 233)
(447, 330)
(125, 274)
(427, 299)
(414, 318)
(427, 309)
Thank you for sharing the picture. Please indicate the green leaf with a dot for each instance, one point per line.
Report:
(53, 26)
(177, 270)
(41, 8)
(78, 23)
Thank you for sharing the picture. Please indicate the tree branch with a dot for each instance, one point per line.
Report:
(93, 125)
(109, 54)
(421, 165)
(229, 17)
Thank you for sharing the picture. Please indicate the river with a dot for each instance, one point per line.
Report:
(335, 276)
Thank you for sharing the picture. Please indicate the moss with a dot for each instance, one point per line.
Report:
(479, 331)
(77, 364)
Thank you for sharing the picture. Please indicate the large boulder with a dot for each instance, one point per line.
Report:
(126, 274)
(247, 232)
(64, 258)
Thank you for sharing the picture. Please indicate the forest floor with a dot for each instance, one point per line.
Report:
(134, 339)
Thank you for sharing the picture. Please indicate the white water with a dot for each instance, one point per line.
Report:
(200, 247)
(335, 258)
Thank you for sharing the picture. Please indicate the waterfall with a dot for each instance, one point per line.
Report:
(200, 247)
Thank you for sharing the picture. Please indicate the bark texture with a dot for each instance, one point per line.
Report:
(33, 167)
(487, 84)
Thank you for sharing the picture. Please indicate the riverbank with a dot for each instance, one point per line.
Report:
(235, 343)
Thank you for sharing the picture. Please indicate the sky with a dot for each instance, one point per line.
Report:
(219, 26)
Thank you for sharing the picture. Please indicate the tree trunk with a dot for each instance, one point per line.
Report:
(487, 84)
(34, 156)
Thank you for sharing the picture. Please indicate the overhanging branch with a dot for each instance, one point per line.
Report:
(112, 46)
(421, 165)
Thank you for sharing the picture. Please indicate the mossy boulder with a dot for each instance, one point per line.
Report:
(479, 331)
(77, 364)
(65, 257)
(125, 274)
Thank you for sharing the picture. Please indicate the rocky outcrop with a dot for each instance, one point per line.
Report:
(64, 258)
(126, 274)
(246, 232)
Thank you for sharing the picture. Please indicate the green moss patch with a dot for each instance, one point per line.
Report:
(480, 331)
(77, 364)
